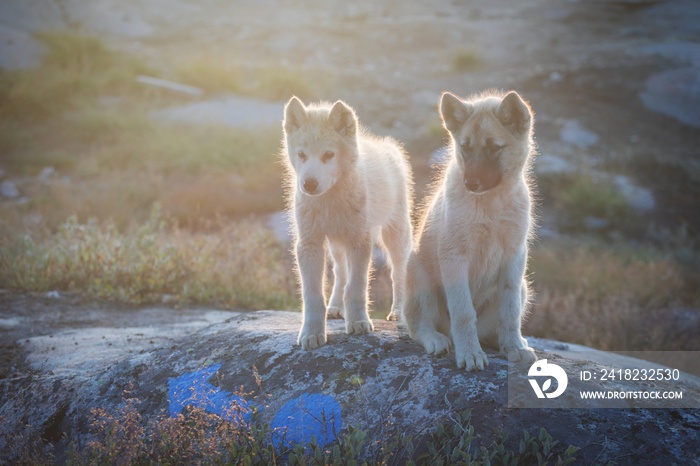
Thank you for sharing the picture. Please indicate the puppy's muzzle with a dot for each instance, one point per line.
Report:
(310, 185)
(480, 178)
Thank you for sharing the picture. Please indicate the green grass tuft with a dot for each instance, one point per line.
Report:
(75, 71)
(585, 197)
(240, 266)
(212, 74)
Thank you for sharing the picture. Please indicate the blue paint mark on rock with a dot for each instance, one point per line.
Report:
(193, 389)
(299, 421)
(306, 417)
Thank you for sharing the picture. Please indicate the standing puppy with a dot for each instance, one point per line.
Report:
(466, 275)
(347, 189)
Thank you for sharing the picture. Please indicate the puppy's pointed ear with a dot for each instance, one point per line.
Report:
(342, 118)
(514, 113)
(294, 115)
(453, 111)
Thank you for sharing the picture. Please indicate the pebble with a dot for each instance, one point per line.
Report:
(8, 189)
(573, 133)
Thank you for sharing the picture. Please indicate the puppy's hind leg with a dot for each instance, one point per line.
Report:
(513, 301)
(358, 257)
(340, 275)
(397, 240)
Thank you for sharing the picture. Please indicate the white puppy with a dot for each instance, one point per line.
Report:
(347, 189)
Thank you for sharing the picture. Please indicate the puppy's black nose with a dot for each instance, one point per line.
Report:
(310, 185)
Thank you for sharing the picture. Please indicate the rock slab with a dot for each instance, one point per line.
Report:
(378, 382)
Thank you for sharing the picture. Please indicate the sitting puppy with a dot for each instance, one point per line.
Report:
(466, 275)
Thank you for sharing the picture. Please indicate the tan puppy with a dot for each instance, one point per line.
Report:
(466, 274)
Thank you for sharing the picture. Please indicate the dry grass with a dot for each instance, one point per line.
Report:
(235, 264)
(126, 437)
(614, 296)
(197, 438)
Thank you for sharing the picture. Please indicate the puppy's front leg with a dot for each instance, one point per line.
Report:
(311, 259)
(355, 297)
(512, 290)
(455, 278)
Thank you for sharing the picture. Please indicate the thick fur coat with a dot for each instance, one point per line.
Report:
(466, 275)
(346, 190)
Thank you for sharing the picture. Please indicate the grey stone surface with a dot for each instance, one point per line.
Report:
(573, 133)
(639, 198)
(381, 381)
(675, 93)
(19, 49)
(553, 164)
(9, 190)
(234, 111)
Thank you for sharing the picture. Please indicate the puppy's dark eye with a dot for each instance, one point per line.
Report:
(302, 156)
(491, 148)
(327, 156)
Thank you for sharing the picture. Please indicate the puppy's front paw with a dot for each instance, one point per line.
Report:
(524, 355)
(310, 338)
(359, 327)
(392, 316)
(474, 360)
(335, 313)
(437, 344)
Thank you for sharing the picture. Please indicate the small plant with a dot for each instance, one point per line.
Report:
(539, 450)
(197, 437)
(453, 443)
(580, 200)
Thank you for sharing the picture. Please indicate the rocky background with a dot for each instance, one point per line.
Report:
(614, 84)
